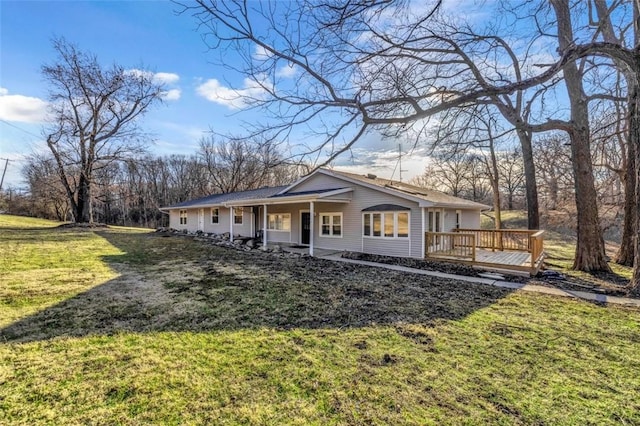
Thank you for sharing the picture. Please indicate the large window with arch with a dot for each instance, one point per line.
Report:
(385, 223)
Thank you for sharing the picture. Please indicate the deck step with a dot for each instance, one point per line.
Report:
(504, 271)
(492, 275)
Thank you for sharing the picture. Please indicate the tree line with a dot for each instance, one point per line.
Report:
(130, 192)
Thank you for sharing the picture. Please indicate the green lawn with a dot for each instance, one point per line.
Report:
(123, 326)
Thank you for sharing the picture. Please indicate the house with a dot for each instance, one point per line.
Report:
(332, 210)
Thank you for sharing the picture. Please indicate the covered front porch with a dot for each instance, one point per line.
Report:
(294, 221)
(518, 250)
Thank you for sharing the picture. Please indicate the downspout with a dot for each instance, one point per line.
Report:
(311, 220)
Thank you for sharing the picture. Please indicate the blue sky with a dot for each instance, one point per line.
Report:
(134, 34)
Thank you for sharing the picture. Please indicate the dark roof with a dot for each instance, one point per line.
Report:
(385, 208)
(293, 194)
(218, 199)
(436, 197)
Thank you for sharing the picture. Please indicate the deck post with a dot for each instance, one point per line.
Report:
(231, 219)
(311, 214)
(264, 226)
(473, 247)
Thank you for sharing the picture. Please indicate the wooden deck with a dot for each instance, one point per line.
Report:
(518, 251)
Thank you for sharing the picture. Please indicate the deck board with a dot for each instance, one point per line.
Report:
(507, 258)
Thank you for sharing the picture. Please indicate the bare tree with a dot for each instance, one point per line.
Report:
(553, 163)
(239, 164)
(383, 67)
(448, 172)
(94, 113)
(510, 170)
(45, 189)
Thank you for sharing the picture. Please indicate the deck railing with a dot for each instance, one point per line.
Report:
(502, 239)
(451, 244)
(461, 244)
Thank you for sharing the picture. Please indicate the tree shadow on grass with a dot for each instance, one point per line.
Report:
(43, 235)
(177, 284)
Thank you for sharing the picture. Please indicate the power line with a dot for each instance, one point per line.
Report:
(20, 128)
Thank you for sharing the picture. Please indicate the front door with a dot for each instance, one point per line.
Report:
(305, 227)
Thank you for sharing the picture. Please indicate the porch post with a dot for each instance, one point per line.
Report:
(311, 214)
(424, 243)
(252, 224)
(231, 212)
(264, 226)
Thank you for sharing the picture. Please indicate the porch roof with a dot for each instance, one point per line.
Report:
(216, 200)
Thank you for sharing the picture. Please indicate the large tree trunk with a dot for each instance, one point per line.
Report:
(625, 255)
(533, 215)
(82, 213)
(590, 254)
(634, 139)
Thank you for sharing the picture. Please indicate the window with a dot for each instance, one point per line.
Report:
(237, 216)
(376, 225)
(403, 225)
(331, 224)
(183, 217)
(279, 222)
(386, 225)
(215, 216)
(458, 218)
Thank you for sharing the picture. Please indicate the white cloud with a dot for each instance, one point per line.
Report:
(171, 95)
(166, 77)
(287, 71)
(158, 78)
(25, 109)
(213, 91)
(261, 54)
(163, 78)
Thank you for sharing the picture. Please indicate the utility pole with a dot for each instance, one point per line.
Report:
(6, 164)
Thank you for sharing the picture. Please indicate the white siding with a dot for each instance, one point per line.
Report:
(352, 229)
(292, 236)
(217, 228)
(192, 220)
(352, 239)
(470, 219)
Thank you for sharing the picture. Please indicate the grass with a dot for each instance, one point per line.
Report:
(127, 327)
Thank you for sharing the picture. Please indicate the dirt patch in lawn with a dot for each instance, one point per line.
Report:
(193, 285)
